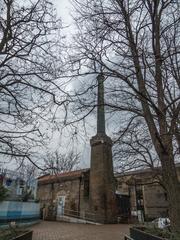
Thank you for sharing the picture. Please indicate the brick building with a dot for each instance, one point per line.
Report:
(144, 191)
(95, 193)
(65, 193)
(135, 191)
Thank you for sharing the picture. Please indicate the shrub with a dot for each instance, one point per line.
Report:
(3, 193)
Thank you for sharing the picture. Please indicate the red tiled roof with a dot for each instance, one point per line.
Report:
(71, 174)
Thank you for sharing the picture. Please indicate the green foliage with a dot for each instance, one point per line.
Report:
(27, 196)
(3, 193)
(163, 233)
(11, 232)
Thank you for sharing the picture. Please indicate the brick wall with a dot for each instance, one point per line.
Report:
(73, 189)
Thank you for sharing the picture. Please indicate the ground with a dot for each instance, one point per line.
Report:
(71, 231)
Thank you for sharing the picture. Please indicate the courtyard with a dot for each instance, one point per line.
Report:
(69, 231)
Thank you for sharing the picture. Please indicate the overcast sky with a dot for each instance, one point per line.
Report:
(61, 142)
(64, 11)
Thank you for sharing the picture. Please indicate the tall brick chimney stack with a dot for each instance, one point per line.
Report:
(102, 187)
(100, 109)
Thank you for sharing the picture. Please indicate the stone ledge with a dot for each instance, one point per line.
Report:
(100, 139)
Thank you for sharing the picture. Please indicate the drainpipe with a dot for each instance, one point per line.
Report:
(79, 197)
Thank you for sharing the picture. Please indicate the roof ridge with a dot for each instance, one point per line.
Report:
(63, 174)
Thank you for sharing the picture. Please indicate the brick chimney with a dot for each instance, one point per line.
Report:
(102, 184)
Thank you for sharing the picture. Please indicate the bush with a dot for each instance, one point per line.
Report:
(3, 193)
(11, 232)
(163, 233)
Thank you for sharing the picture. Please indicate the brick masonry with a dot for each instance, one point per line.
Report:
(73, 187)
(102, 183)
(76, 190)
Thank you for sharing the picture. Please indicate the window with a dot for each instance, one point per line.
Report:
(86, 187)
(165, 196)
(19, 190)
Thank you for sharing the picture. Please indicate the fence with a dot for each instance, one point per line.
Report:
(18, 211)
(87, 216)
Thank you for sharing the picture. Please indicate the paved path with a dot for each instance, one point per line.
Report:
(70, 231)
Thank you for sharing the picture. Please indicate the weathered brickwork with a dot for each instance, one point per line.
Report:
(71, 187)
(151, 198)
(102, 182)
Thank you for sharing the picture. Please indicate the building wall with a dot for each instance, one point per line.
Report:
(153, 200)
(73, 189)
(145, 195)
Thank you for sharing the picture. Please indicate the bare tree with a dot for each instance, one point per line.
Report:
(57, 162)
(133, 149)
(136, 45)
(30, 46)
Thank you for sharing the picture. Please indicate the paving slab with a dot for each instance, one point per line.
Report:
(71, 231)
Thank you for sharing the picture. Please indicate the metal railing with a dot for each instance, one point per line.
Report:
(87, 216)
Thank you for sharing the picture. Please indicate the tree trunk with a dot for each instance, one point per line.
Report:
(174, 208)
(172, 185)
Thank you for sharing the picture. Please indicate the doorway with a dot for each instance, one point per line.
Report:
(60, 205)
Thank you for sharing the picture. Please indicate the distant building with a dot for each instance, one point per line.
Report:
(18, 186)
(20, 204)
